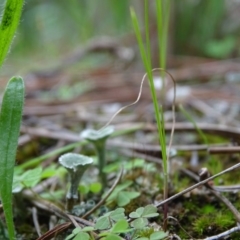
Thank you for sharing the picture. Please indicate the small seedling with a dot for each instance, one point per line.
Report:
(98, 139)
(114, 223)
(141, 216)
(163, 10)
(107, 221)
(76, 165)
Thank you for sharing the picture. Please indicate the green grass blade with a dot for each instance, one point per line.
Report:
(148, 47)
(146, 58)
(8, 26)
(147, 65)
(163, 13)
(10, 121)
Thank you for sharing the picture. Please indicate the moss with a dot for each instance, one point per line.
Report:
(224, 220)
(207, 209)
(212, 223)
(202, 224)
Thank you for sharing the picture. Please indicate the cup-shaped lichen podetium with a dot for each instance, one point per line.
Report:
(98, 138)
(76, 165)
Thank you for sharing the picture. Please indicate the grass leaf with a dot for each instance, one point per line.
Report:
(10, 121)
(8, 26)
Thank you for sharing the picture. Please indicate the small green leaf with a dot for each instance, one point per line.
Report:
(70, 237)
(84, 189)
(122, 199)
(118, 189)
(120, 226)
(87, 229)
(150, 211)
(49, 171)
(95, 187)
(134, 215)
(158, 235)
(113, 237)
(17, 185)
(102, 223)
(139, 223)
(28, 179)
(76, 230)
(135, 163)
(131, 195)
(125, 197)
(82, 236)
(137, 214)
(112, 167)
(117, 214)
(10, 121)
(151, 215)
(31, 177)
(140, 211)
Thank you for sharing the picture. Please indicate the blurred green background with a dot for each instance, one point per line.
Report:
(49, 29)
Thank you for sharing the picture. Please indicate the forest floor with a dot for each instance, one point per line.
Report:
(63, 102)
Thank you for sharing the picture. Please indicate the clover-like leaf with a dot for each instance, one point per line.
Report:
(134, 215)
(137, 213)
(150, 211)
(125, 197)
(103, 223)
(82, 236)
(139, 223)
(31, 177)
(113, 237)
(88, 229)
(122, 199)
(120, 226)
(158, 235)
(117, 214)
(118, 189)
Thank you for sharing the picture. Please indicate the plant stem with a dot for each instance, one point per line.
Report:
(75, 178)
(146, 58)
(100, 148)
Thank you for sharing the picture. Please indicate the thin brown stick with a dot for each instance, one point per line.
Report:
(156, 148)
(55, 231)
(50, 207)
(71, 218)
(197, 185)
(99, 204)
(35, 221)
(224, 150)
(224, 234)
